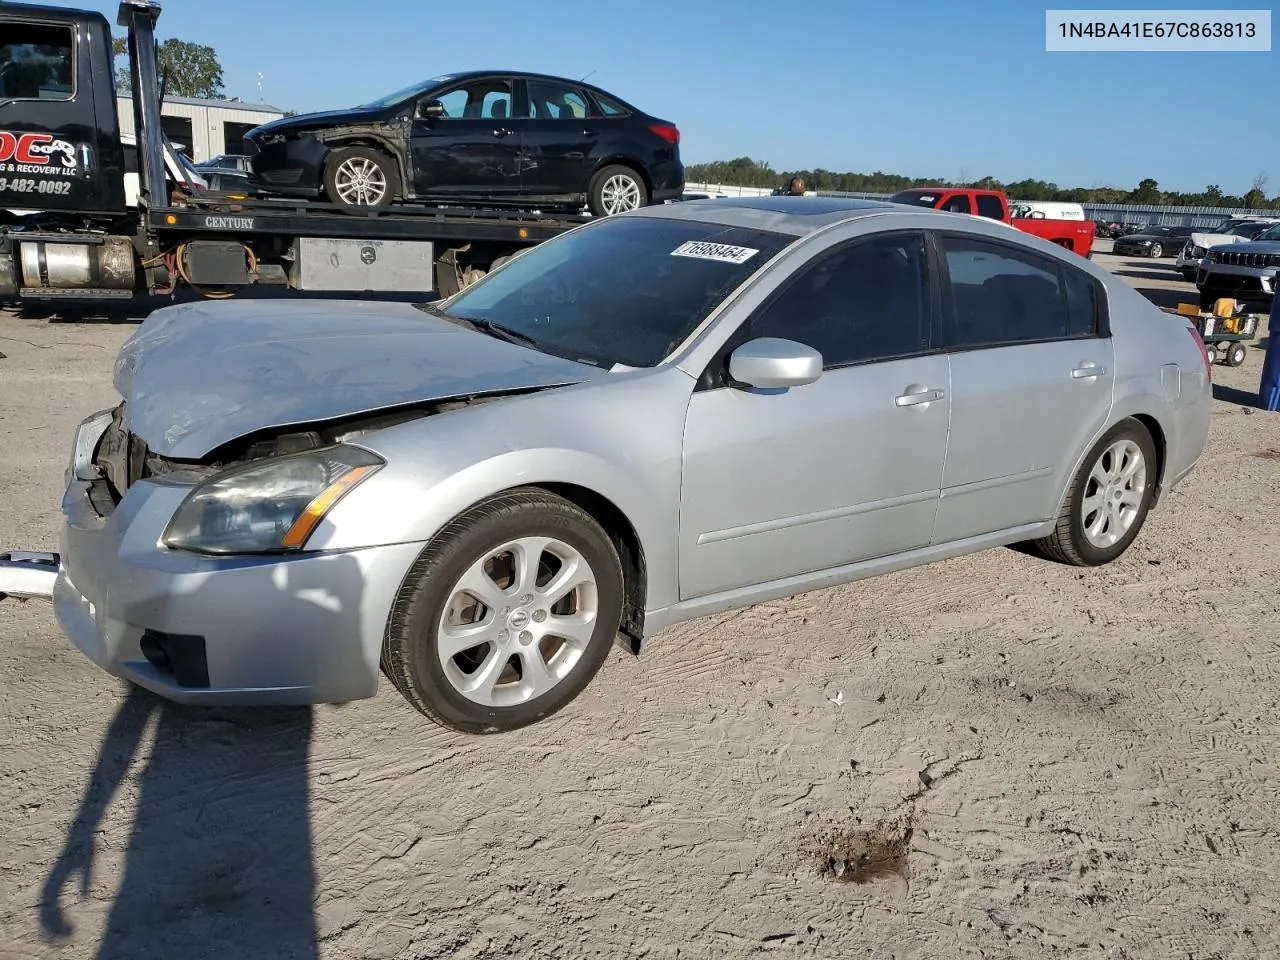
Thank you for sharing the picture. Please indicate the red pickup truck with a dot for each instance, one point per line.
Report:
(1075, 235)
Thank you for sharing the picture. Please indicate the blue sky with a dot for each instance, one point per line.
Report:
(924, 89)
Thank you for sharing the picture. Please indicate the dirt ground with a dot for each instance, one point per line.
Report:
(991, 757)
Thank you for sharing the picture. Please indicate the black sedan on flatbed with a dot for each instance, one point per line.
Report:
(479, 137)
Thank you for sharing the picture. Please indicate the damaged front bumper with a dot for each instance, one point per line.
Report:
(27, 575)
(236, 630)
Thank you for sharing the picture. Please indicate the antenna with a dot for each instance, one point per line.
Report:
(584, 79)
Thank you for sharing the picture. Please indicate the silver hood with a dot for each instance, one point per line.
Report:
(1207, 240)
(199, 375)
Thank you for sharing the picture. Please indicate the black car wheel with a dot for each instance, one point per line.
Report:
(360, 177)
(506, 615)
(1156, 251)
(1108, 500)
(617, 189)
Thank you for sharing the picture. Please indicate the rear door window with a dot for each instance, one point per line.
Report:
(989, 206)
(1000, 295)
(555, 101)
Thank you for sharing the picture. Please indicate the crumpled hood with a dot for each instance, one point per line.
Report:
(199, 375)
(318, 120)
(1208, 240)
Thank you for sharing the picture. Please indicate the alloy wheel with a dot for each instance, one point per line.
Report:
(360, 182)
(619, 194)
(1113, 494)
(517, 622)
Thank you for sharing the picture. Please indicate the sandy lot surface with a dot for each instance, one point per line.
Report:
(1029, 760)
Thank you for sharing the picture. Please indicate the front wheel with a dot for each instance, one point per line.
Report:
(1236, 355)
(1157, 251)
(507, 614)
(617, 189)
(1108, 500)
(360, 177)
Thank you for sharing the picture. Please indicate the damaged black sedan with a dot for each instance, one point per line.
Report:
(480, 137)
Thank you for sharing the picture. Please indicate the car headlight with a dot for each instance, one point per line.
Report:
(270, 506)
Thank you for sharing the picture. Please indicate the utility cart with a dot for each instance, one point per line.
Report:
(1225, 330)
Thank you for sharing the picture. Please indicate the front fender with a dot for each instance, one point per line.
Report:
(440, 466)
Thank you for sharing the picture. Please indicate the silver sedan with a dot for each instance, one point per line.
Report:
(657, 416)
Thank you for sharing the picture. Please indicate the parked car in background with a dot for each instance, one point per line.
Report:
(1245, 271)
(1154, 242)
(460, 494)
(1075, 235)
(476, 138)
(1228, 232)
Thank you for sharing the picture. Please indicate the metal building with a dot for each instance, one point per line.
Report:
(205, 127)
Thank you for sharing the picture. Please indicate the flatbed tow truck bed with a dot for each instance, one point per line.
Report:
(235, 215)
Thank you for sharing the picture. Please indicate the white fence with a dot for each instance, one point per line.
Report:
(1144, 214)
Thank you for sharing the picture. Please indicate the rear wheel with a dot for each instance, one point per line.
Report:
(1236, 355)
(1157, 251)
(360, 177)
(507, 615)
(1211, 352)
(617, 189)
(1109, 499)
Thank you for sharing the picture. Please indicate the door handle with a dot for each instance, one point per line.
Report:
(589, 132)
(916, 396)
(1087, 372)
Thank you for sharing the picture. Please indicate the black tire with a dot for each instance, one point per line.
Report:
(1211, 351)
(409, 656)
(333, 169)
(1236, 355)
(1068, 543)
(596, 194)
(1156, 251)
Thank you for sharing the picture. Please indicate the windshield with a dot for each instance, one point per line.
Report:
(625, 290)
(1245, 229)
(915, 198)
(1271, 233)
(407, 93)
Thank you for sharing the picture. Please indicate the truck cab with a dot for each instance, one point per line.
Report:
(1074, 234)
(59, 132)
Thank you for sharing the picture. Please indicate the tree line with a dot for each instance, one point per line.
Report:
(745, 172)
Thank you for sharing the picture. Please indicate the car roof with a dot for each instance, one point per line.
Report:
(796, 216)
(527, 75)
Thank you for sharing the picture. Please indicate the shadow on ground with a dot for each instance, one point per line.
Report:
(220, 848)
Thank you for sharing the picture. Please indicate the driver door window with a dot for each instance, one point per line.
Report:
(866, 301)
(481, 100)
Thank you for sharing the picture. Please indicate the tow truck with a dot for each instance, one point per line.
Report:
(63, 167)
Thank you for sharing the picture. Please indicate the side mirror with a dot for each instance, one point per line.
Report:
(431, 110)
(772, 363)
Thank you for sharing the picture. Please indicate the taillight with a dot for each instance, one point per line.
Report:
(666, 132)
(1204, 354)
